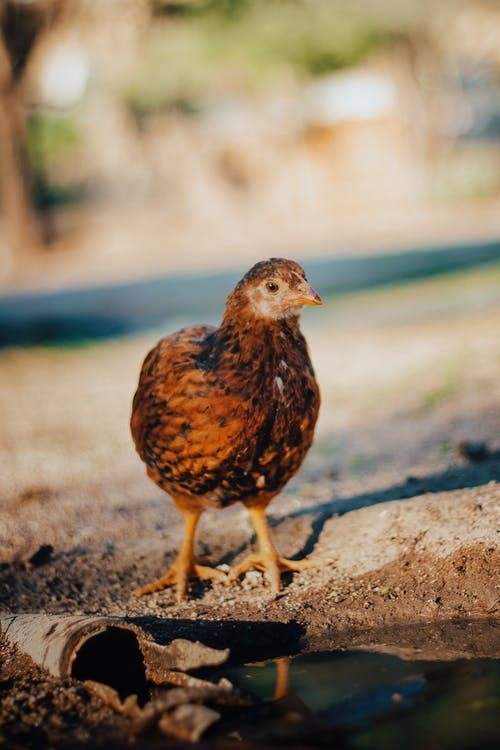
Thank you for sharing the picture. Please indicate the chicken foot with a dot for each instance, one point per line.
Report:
(185, 566)
(267, 559)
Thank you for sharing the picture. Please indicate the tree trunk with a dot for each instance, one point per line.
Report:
(19, 227)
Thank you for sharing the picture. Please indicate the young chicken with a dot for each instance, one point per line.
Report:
(227, 414)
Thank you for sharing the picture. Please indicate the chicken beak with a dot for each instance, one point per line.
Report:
(307, 295)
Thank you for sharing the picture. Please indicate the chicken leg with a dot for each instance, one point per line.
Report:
(267, 559)
(184, 566)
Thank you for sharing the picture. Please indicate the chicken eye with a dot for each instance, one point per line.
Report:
(272, 287)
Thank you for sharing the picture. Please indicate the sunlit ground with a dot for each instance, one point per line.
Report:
(406, 374)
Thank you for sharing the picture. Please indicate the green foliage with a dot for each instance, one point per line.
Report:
(49, 140)
(49, 137)
(221, 45)
(47, 194)
(190, 8)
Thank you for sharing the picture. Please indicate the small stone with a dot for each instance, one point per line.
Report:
(42, 555)
(470, 450)
(188, 721)
(253, 578)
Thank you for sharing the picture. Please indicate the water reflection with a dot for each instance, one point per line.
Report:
(375, 700)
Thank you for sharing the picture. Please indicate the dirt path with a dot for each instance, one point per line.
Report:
(405, 519)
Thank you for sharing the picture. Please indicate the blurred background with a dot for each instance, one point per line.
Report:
(141, 137)
(152, 151)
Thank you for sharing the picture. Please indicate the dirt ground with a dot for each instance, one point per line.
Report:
(398, 500)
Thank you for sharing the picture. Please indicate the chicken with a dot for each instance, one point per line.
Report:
(227, 414)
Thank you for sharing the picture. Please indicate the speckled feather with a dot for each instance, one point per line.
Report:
(228, 414)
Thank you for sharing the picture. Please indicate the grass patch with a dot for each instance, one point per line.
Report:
(444, 391)
(327, 448)
(362, 463)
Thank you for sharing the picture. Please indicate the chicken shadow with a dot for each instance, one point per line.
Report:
(247, 640)
(472, 474)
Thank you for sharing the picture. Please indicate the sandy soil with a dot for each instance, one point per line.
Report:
(401, 516)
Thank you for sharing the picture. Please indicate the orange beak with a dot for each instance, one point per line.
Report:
(307, 296)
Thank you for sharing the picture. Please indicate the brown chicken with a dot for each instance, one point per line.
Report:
(227, 414)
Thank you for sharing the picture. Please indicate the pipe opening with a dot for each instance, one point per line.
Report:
(114, 658)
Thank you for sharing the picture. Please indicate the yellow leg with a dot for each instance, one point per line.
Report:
(282, 686)
(282, 677)
(184, 566)
(267, 559)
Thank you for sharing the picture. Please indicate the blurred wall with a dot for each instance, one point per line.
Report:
(141, 137)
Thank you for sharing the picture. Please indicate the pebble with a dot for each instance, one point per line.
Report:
(252, 579)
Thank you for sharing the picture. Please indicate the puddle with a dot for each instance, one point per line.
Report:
(376, 700)
(431, 687)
